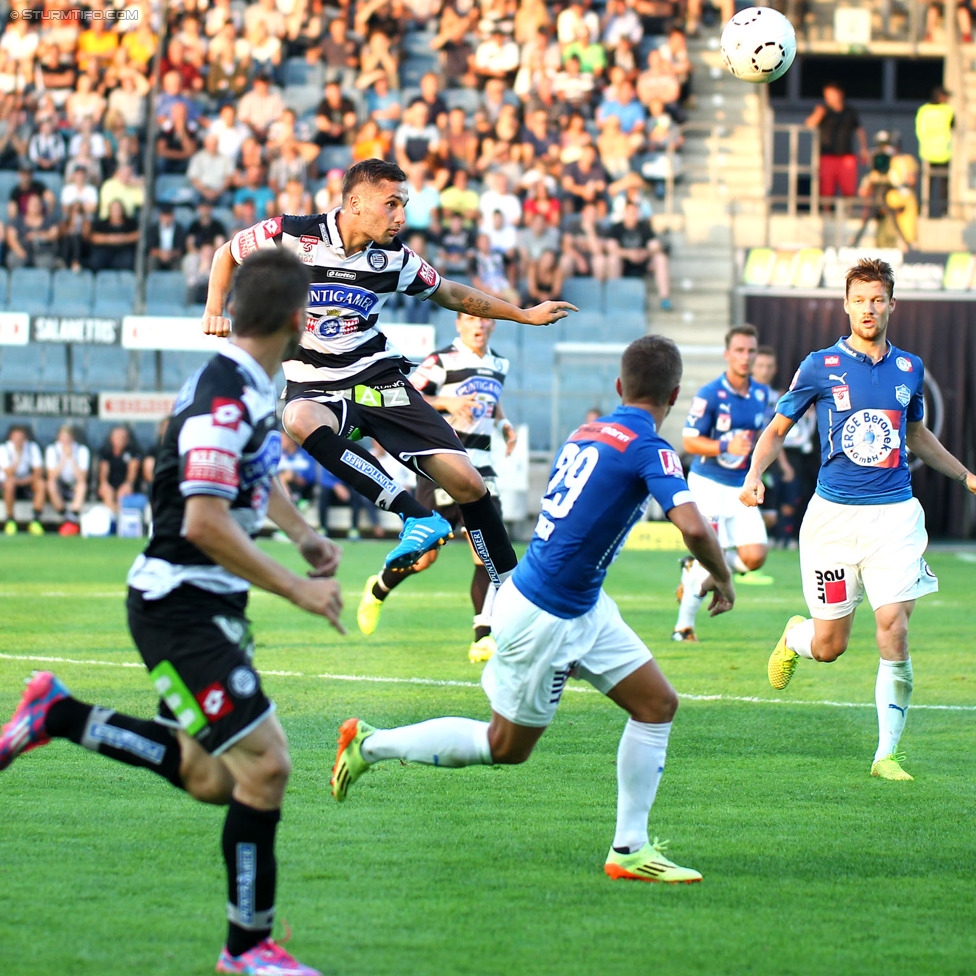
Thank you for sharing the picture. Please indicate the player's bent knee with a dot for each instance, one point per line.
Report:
(827, 653)
(301, 417)
(510, 754)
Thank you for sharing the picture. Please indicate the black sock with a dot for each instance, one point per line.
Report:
(248, 843)
(479, 589)
(353, 464)
(486, 530)
(390, 581)
(134, 741)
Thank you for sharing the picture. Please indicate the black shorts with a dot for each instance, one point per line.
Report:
(391, 411)
(435, 498)
(198, 648)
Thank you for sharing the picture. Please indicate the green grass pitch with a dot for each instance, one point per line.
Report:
(810, 866)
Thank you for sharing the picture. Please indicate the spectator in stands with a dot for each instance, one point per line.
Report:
(20, 44)
(335, 118)
(129, 99)
(265, 50)
(422, 212)
(297, 472)
(141, 43)
(329, 195)
(64, 33)
(294, 198)
(113, 240)
(75, 230)
(46, 149)
(493, 99)
(621, 22)
(256, 189)
(459, 198)
(260, 106)
(96, 46)
(287, 128)
(675, 52)
(196, 271)
(27, 186)
(496, 57)
(532, 19)
(84, 103)
(586, 180)
(455, 246)
(416, 138)
(452, 39)
(230, 132)
(195, 43)
(584, 245)
(67, 463)
(79, 189)
(663, 133)
(498, 196)
(380, 16)
(571, 17)
(591, 54)
(574, 87)
(228, 67)
(148, 469)
(209, 172)
(658, 81)
(287, 167)
(173, 92)
(126, 188)
(377, 58)
(332, 491)
(218, 15)
(176, 60)
(90, 145)
(488, 271)
(459, 146)
(430, 94)
(32, 238)
(538, 252)
(22, 477)
(370, 143)
(538, 140)
(628, 111)
(165, 241)
(934, 122)
(539, 200)
(177, 141)
(15, 131)
(205, 229)
(634, 252)
(383, 106)
(119, 461)
(615, 148)
(268, 13)
(55, 72)
(838, 124)
(340, 54)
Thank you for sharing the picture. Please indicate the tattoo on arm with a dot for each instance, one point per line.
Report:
(475, 305)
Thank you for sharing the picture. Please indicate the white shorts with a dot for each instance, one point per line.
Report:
(849, 551)
(736, 524)
(538, 653)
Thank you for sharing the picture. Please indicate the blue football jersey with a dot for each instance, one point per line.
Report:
(863, 409)
(598, 489)
(718, 411)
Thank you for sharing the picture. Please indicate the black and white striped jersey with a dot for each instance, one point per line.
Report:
(222, 440)
(456, 370)
(342, 344)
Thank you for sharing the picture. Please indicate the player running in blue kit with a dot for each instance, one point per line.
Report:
(721, 429)
(552, 620)
(864, 532)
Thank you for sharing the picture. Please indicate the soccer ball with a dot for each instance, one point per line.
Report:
(758, 45)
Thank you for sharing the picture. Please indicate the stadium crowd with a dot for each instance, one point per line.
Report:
(527, 129)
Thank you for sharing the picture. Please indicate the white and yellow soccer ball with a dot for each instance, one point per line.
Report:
(758, 45)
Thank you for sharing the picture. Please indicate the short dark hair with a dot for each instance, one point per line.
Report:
(766, 351)
(268, 288)
(745, 329)
(871, 269)
(650, 369)
(372, 171)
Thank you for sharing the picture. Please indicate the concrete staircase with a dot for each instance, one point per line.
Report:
(718, 197)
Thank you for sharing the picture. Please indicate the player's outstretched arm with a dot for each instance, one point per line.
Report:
(209, 525)
(703, 544)
(463, 298)
(768, 446)
(322, 554)
(928, 449)
(221, 276)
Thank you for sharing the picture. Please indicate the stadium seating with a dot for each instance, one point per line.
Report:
(8, 180)
(626, 295)
(30, 290)
(584, 292)
(417, 42)
(467, 98)
(165, 293)
(53, 181)
(173, 188)
(34, 368)
(588, 326)
(296, 72)
(335, 157)
(302, 98)
(4, 286)
(97, 369)
(71, 292)
(415, 66)
(115, 293)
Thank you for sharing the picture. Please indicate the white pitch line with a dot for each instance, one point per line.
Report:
(449, 683)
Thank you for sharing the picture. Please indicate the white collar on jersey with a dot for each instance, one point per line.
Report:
(333, 239)
(261, 381)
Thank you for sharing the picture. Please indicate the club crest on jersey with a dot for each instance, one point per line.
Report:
(670, 462)
(263, 462)
(831, 360)
(904, 364)
(842, 397)
(871, 438)
(377, 259)
(723, 422)
(903, 395)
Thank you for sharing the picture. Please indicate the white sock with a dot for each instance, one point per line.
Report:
(438, 742)
(690, 600)
(483, 617)
(735, 562)
(799, 639)
(640, 763)
(892, 693)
